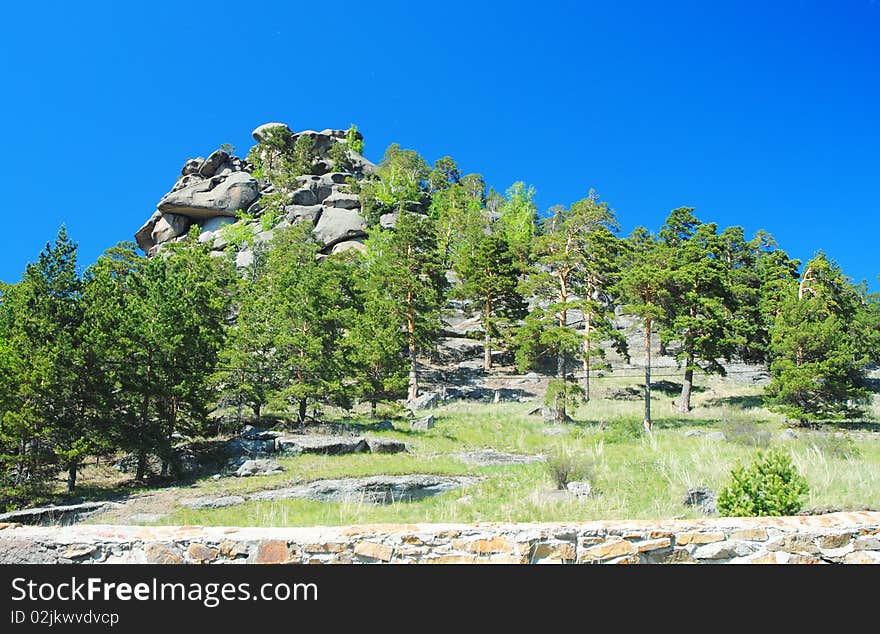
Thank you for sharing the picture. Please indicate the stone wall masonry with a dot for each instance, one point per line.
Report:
(852, 537)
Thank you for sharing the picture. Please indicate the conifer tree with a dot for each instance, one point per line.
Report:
(404, 264)
(489, 277)
(643, 287)
(701, 305)
(822, 340)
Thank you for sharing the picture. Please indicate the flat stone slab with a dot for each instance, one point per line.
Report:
(382, 489)
(66, 514)
(492, 458)
(320, 444)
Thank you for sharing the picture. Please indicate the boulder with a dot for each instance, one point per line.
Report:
(386, 221)
(702, 497)
(211, 226)
(385, 445)
(384, 425)
(304, 196)
(255, 433)
(581, 489)
(428, 400)
(144, 235)
(259, 132)
(217, 196)
(342, 200)
(348, 245)
(168, 227)
(339, 225)
(244, 259)
(303, 213)
(318, 444)
(213, 163)
(192, 166)
(423, 424)
(258, 467)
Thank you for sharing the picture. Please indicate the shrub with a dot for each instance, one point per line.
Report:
(748, 434)
(565, 467)
(771, 485)
(623, 430)
(570, 394)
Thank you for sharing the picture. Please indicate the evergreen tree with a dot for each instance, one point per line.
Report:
(376, 343)
(821, 342)
(489, 277)
(598, 272)
(643, 287)
(700, 304)
(309, 299)
(404, 264)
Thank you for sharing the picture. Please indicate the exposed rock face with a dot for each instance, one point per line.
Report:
(211, 191)
(216, 196)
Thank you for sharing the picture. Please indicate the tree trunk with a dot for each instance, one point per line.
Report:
(413, 363)
(141, 465)
(648, 422)
(487, 339)
(301, 415)
(71, 478)
(588, 331)
(372, 409)
(172, 423)
(684, 405)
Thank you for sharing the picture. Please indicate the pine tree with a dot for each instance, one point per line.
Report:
(308, 312)
(489, 278)
(404, 264)
(699, 312)
(822, 340)
(643, 287)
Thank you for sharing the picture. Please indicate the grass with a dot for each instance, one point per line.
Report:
(632, 478)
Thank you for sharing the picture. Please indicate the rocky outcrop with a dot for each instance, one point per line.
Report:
(211, 191)
(848, 538)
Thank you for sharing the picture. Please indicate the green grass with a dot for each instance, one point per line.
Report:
(633, 478)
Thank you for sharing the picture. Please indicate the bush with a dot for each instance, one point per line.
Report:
(568, 393)
(623, 430)
(771, 485)
(565, 467)
(748, 434)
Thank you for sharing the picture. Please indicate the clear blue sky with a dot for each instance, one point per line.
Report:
(763, 114)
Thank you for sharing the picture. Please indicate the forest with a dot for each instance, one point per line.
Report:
(134, 354)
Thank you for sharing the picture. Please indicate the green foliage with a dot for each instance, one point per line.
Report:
(228, 148)
(566, 466)
(354, 140)
(563, 396)
(700, 307)
(821, 342)
(281, 157)
(238, 234)
(489, 278)
(338, 153)
(403, 265)
(518, 220)
(771, 485)
(623, 430)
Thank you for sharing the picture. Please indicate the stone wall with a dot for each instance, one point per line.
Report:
(834, 538)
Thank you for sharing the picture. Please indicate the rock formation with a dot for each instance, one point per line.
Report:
(211, 192)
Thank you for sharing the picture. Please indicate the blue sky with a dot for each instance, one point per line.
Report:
(758, 114)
